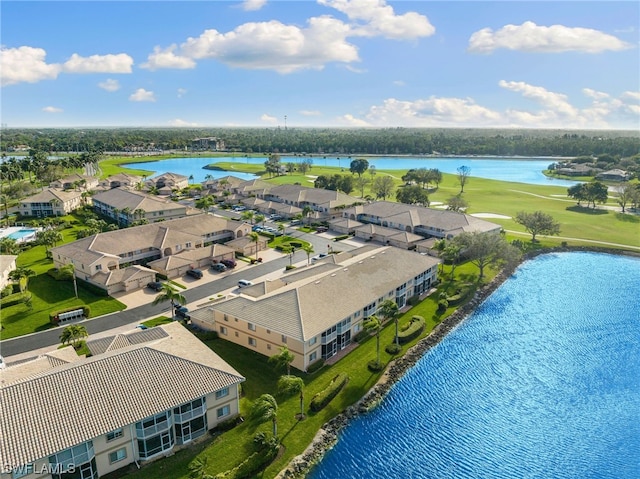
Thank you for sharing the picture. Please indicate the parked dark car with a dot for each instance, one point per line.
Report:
(194, 273)
(229, 263)
(218, 267)
(155, 285)
(182, 313)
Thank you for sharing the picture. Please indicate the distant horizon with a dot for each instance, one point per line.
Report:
(308, 64)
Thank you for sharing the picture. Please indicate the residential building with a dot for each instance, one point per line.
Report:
(167, 182)
(75, 181)
(7, 264)
(317, 311)
(120, 180)
(211, 143)
(52, 202)
(139, 397)
(127, 206)
(121, 260)
(613, 175)
(419, 220)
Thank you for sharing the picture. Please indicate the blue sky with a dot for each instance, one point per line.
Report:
(335, 63)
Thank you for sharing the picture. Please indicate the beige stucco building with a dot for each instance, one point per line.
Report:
(139, 397)
(316, 311)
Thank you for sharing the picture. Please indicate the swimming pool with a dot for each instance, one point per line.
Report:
(19, 233)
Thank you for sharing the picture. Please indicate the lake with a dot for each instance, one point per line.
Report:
(542, 381)
(518, 170)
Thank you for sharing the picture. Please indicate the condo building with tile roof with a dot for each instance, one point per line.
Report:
(140, 396)
(316, 311)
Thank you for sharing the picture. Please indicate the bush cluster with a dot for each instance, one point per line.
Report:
(315, 366)
(252, 464)
(16, 298)
(325, 396)
(62, 274)
(411, 330)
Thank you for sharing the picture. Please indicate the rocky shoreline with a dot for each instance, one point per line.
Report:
(327, 436)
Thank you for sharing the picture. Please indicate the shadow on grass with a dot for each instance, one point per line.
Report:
(627, 218)
(588, 211)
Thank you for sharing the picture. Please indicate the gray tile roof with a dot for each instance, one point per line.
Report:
(71, 404)
(310, 303)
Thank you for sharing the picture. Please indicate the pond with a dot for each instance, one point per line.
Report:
(542, 381)
(520, 170)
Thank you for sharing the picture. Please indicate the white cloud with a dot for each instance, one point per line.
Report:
(378, 19)
(350, 120)
(181, 92)
(398, 83)
(26, 64)
(309, 112)
(530, 37)
(52, 109)
(142, 95)
(253, 5)
(110, 85)
(180, 123)
(551, 110)
(268, 119)
(275, 46)
(167, 59)
(120, 63)
(596, 95)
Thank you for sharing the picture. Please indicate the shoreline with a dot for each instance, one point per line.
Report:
(328, 435)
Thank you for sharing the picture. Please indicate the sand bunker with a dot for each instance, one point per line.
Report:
(491, 215)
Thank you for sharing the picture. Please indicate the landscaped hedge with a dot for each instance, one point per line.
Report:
(411, 330)
(62, 274)
(340, 238)
(15, 298)
(86, 311)
(313, 367)
(252, 464)
(325, 396)
(460, 295)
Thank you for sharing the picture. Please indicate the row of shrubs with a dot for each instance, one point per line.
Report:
(268, 450)
(15, 298)
(325, 396)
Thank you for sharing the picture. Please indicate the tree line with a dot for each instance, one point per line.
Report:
(333, 141)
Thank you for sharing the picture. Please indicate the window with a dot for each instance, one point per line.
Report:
(98, 267)
(237, 335)
(252, 342)
(222, 393)
(284, 339)
(225, 317)
(268, 346)
(252, 327)
(188, 244)
(313, 341)
(114, 434)
(118, 455)
(223, 411)
(313, 356)
(223, 330)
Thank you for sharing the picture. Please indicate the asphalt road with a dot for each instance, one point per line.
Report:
(51, 337)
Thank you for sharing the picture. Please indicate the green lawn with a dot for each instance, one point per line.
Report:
(50, 295)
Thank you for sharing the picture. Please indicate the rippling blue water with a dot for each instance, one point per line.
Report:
(542, 381)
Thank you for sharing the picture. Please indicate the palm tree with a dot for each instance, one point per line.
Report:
(389, 310)
(283, 359)
(18, 274)
(73, 333)
(260, 219)
(169, 293)
(293, 385)
(308, 248)
(373, 324)
(205, 203)
(255, 237)
(9, 246)
(306, 211)
(265, 408)
(248, 215)
(5, 207)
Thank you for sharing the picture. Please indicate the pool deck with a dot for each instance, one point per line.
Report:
(8, 231)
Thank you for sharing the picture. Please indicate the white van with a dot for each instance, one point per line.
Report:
(243, 283)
